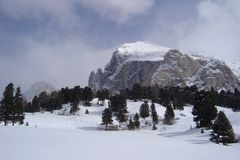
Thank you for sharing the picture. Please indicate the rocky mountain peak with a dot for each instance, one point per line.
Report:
(149, 64)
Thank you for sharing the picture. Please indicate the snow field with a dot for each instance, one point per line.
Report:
(54, 136)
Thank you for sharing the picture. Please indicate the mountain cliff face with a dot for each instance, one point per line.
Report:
(149, 64)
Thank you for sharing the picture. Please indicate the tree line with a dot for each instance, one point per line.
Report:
(13, 105)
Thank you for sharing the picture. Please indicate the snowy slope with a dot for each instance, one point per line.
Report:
(53, 136)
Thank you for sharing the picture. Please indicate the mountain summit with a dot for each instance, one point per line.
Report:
(149, 64)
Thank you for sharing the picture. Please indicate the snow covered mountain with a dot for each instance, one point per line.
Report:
(149, 64)
(37, 88)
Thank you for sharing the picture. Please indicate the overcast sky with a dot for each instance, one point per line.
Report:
(62, 41)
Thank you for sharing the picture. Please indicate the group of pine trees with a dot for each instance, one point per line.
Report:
(180, 96)
(55, 100)
(206, 115)
(118, 106)
(12, 106)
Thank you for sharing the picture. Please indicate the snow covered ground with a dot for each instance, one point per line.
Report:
(54, 136)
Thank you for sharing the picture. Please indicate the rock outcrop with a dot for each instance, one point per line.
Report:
(149, 64)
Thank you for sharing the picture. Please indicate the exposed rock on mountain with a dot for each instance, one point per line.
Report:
(149, 64)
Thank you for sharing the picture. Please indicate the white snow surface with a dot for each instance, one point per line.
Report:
(142, 51)
(61, 137)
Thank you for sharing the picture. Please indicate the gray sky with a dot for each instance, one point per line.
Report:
(62, 41)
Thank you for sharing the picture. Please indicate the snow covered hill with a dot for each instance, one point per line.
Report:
(61, 137)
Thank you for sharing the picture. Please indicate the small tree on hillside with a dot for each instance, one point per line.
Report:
(121, 116)
(87, 96)
(169, 115)
(101, 98)
(131, 125)
(107, 117)
(222, 130)
(136, 121)
(144, 110)
(154, 116)
(74, 107)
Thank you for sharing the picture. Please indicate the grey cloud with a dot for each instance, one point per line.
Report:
(65, 11)
(217, 30)
(119, 11)
(65, 63)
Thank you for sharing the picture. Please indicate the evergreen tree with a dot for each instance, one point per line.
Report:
(169, 115)
(204, 110)
(35, 106)
(137, 92)
(131, 125)
(178, 103)
(87, 96)
(222, 130)
(154, 115)
(121, 116)
(122, 103)
(136, 121)
(144, 110)
(114, 103)
(101, 97)
(7, 104)
(117, 103)
(86, 112)
(18, 107)
(74, 107)
(107, 117)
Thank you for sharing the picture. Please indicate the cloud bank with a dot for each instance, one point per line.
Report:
(217, 30)
(61, 41)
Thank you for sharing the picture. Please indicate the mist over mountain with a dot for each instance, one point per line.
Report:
(37, 88)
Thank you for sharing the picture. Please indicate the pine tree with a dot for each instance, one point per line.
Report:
(222, 130)
(74, 107)
(136, 121)
(136, 92)
(7, 104)
(101, 98)
(169, 115)
(131, 125)
(114, 103)
(121, 116)
(204, 110)
(154, 115)
(178, 103)
(144, 110)
(35, 106)
(87, 96)
(122, 103)
(86, 111)
(18, 107)
(107, 117)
